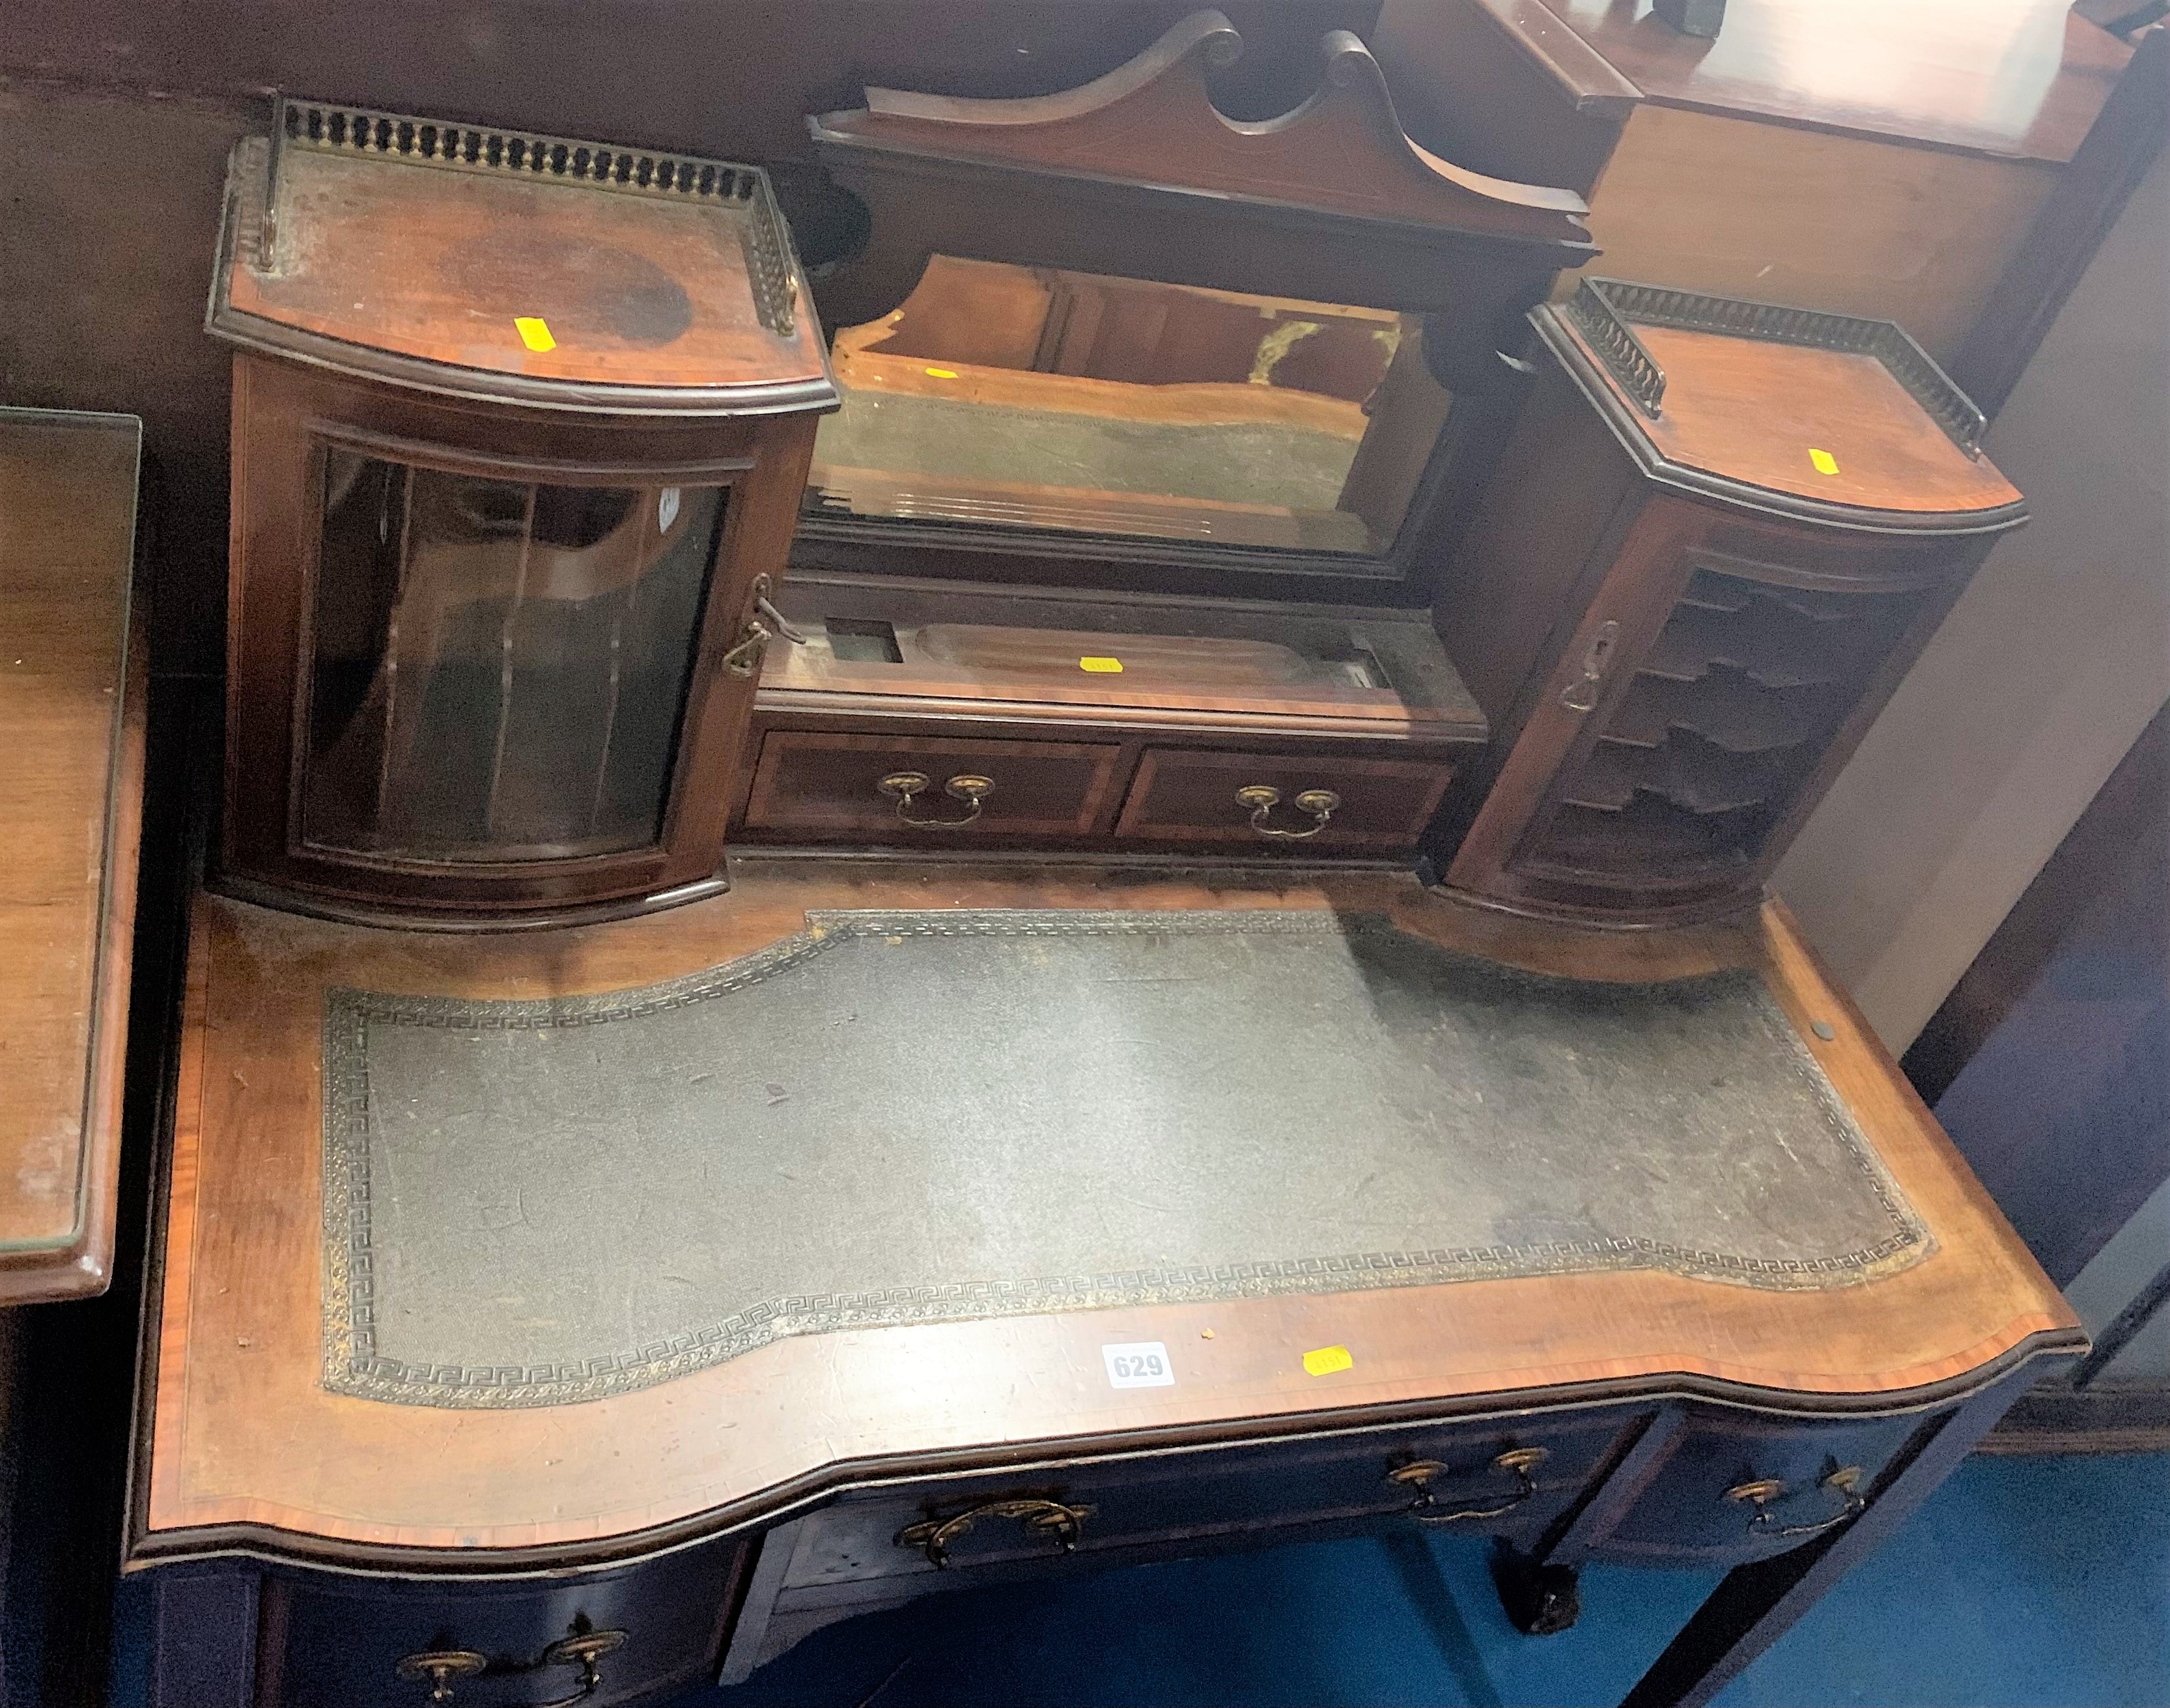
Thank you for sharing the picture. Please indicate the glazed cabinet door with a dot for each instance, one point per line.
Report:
(486, 676)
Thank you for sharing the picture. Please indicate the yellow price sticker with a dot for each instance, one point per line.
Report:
(1104, 667)
(1327, 1359)
(942, 373)
(534, 332)
(1823, 461)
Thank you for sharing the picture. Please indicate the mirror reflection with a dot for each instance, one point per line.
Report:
(1031, 397)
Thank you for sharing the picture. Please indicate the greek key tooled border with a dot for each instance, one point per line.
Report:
(352, 1365)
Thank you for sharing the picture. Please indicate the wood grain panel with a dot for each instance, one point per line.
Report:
(1189, 797)
(1740, 208)
(242, 1434)
(72, 706)
(1152, 120)
(1752, 411)
(2018, 78)
(827, 783)
(380, 257)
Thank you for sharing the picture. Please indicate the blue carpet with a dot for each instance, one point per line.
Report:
(2034, 1582)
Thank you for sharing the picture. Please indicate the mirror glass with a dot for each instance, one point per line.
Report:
(1034, 398)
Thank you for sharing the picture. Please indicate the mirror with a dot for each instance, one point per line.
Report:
(1031, 397)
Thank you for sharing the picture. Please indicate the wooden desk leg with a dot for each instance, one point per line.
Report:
(203, 1638)
(1757, 1605)
(1538, 1589)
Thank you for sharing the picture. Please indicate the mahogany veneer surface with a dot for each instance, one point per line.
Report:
(1753, 411)
(444, 265)
(71, 718)
(243, 1432)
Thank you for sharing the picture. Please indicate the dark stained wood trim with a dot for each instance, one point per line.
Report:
(1503, 87)
(1150, 122)
(2102, 1417)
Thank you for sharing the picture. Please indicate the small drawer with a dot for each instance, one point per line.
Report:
(1490, 1478)
(1319, 802)
(1745, 1487)
(910, 788)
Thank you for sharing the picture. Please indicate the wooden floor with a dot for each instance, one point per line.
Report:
(243, 1433)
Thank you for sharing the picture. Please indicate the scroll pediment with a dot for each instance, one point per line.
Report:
(1151, 121)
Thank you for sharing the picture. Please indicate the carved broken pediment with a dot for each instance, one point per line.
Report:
(1152, 122)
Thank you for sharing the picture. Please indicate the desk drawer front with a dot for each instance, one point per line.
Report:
(965, 790)
(326, 1642)
(1509, 1478)
(1321, 802)
(1703, 1502)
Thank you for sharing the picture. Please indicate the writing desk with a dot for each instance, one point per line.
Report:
(446, 1388)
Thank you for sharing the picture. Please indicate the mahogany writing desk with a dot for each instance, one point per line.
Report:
(1631, 1246)
(1065, 1164)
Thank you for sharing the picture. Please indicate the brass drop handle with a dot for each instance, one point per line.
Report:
(1581, 694)
(1845, 1482)
(584, 1650)
(1424, 1507)
(933, 1536)
(969, 786)
(1262, 799)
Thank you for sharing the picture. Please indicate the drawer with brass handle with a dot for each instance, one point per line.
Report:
(1470, 1500)
(441, 1669)
(1313, 801)
(1484, 1476)
(619, 1634)
(1841, 1488)
(1059, 1522)
(906, 790)
(1741, 1488)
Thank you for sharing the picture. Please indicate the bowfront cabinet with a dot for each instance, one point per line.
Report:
(519, 428)
(1719, 536)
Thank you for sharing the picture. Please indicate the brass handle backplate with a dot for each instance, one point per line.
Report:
(1046, 1518)
(1845, 1482)
(440, 1667)
(1262, 798)
(1581, 694)
(1424, 1507)
(968, 786)
(583, 1650)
